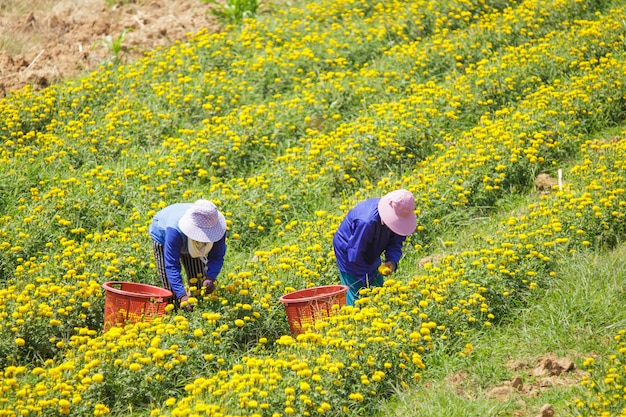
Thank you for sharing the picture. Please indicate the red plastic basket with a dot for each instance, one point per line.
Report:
(303, 307)
(132, 302)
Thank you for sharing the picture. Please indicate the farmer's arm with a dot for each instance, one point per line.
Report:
(215, 259)
(393, 251)
(357, 248)
(171, 251)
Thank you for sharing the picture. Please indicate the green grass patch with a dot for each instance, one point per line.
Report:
(576, 317)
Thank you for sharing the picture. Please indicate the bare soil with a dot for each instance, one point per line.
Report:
(45, 41)
(531, 379)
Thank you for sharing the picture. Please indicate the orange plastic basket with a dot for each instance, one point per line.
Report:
(132, 302)
(303, 307)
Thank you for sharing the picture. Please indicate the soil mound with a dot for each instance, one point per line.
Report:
(46, 41)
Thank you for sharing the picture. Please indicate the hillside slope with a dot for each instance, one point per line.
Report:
(285, 121)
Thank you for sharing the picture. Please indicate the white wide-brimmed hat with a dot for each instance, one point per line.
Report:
(397, 211)
(203, 222)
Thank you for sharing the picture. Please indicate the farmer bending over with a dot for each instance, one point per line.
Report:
(371, 227)
(191, 234)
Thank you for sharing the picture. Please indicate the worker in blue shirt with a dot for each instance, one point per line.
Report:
(191, 234)
(371, 228)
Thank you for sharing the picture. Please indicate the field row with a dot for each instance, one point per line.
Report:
(461, 102)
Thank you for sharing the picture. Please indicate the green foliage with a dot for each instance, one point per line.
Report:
(234, 11)
(115, 47)
(116, 3)
(577, 317)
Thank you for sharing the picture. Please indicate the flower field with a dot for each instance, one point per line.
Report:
(285, 122)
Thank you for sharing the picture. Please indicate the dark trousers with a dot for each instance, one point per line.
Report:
(194, 267)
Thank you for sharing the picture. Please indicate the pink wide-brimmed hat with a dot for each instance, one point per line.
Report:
(397, 211)
(203, 222)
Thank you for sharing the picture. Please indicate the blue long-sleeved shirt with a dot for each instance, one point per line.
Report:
(165, 231)
(362, 238)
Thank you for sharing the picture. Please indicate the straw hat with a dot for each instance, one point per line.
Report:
(203, 222)
(397, 211)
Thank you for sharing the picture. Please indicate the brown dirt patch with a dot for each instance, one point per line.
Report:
(544, 183)
(548, 372)
(45, 41)
(431, 259)
(531, 379)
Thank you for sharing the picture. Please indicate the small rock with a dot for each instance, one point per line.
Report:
(499, 392)
(549, 364)
(29, 20)
(544, 183)
(546, 411)
(431, 259)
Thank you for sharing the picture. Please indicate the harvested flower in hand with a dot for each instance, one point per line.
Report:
(384, 270)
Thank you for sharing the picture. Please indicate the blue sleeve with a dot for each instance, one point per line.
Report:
(171, 251)
(215, 259)
(393, 251)
(358, 245)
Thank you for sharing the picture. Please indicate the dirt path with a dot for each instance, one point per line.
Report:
(44, 41)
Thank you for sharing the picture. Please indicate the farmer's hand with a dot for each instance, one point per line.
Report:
(184, 303)
(387, 268)
(209, 286)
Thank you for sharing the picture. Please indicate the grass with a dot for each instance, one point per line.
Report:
(576, 317)
(24, 42)
(20, 8)
(14, 46)
(234, 11)
(114, 46)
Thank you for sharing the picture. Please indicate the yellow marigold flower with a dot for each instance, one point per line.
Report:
(101, 410)
(384, 270)
(20, 342)
(38, 371)
(239, 323)
(355, 396)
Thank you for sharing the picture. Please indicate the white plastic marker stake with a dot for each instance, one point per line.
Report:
(560, 179)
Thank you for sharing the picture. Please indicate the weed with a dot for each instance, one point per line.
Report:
(234, 11)
(116, 3)
(114, 46)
